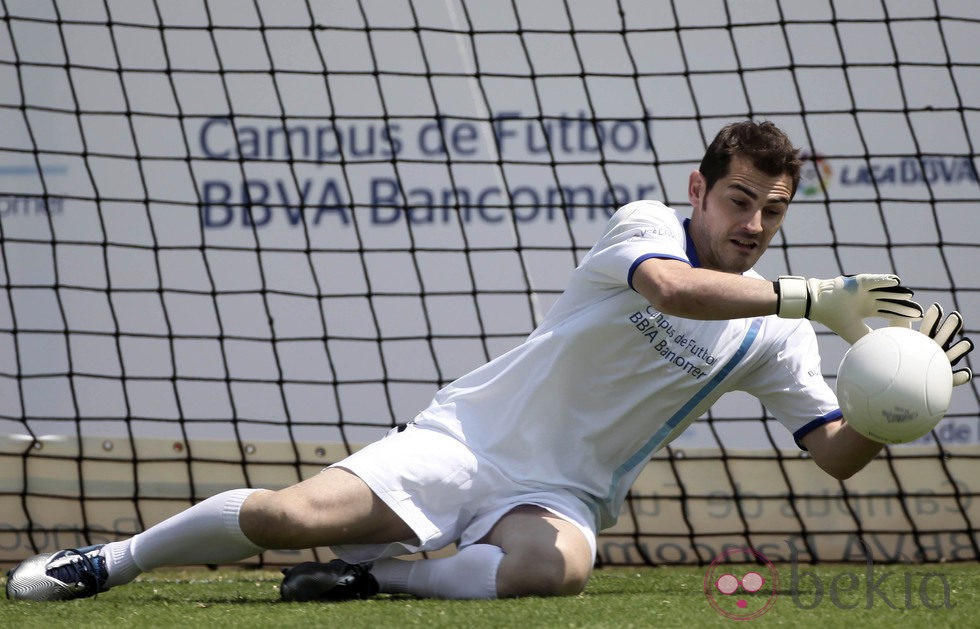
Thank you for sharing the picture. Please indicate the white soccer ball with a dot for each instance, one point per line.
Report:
(894, 385)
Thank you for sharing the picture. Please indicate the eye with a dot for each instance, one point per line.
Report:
(739, 202)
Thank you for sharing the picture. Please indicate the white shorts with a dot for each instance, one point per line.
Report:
(446, 493)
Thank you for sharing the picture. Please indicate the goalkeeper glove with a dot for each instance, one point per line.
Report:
(844, 302)
(942, 332)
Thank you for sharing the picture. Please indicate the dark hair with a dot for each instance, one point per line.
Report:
(769, 149)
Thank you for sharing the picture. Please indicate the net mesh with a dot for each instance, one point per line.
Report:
(241, 239)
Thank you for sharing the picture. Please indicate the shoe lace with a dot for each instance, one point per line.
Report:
(81, 568)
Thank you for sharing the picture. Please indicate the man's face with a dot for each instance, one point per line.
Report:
(732, 224)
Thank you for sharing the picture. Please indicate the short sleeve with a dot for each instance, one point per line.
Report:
(791, 384)
(637, 232)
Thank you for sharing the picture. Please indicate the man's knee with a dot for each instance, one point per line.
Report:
(293, 519)
(544, 571)
(556, 574)
(545, 555)
(270, 521)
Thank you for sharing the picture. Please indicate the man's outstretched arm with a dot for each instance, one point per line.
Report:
(675, 287)
(841, 303)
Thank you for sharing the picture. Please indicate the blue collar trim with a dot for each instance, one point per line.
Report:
(692, 253)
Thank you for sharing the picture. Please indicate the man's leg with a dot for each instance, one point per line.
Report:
(206, 533)
(334, 507)
(529, 552)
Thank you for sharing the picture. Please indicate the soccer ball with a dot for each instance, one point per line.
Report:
(894, 385)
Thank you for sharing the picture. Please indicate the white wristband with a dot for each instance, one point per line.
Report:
(794, 297)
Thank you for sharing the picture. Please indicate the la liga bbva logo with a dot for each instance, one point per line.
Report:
(746, 591)
(817, 175)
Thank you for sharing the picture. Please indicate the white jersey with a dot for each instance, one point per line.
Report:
(606, 380)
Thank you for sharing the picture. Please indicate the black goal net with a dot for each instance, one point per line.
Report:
(240, 239)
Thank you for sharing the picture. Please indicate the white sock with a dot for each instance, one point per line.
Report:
(471, 573)
(207, 533)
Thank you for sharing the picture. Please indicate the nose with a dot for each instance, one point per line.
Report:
(753, 222)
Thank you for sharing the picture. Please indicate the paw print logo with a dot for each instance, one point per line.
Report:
(729, 584)
(746, 597)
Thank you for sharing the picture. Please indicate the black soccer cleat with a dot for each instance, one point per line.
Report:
(332, 581)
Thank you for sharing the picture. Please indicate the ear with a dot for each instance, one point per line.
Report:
(696, 186)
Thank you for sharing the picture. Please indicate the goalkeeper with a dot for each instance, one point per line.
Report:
(523, 460)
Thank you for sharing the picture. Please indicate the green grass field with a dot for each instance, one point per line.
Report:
(825, 596)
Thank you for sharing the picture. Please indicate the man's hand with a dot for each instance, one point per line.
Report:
(942, 332)
(844, 302)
